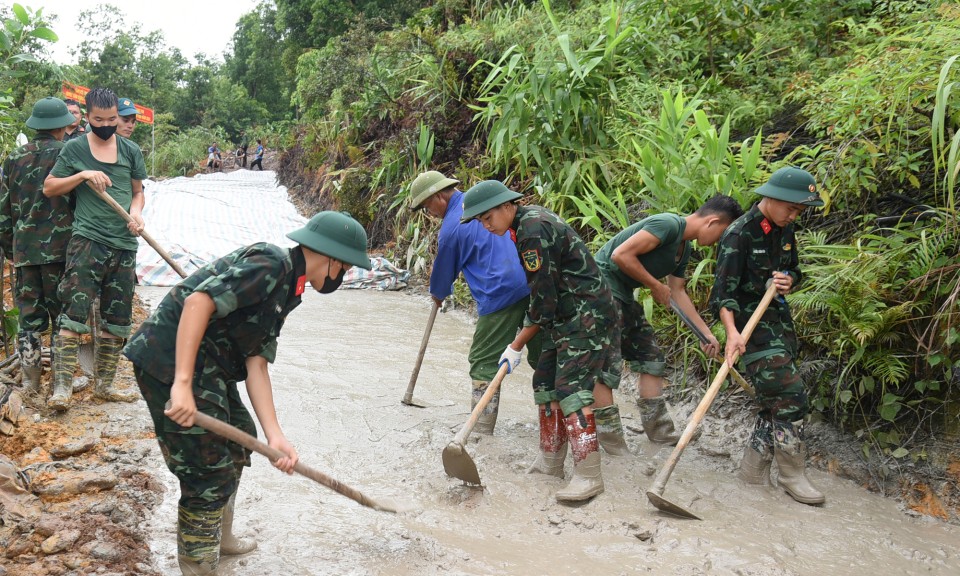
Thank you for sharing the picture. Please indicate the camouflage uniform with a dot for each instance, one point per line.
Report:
(254, 288)
(34, 231)
(750, 251)
(573, 305)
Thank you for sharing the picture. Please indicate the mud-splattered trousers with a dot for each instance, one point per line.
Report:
(253, 288)
(751, 249)
(638, 343)
(34, 231)
(574, 307)
(95, 270)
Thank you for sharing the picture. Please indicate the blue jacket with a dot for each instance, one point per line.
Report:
(489, 263)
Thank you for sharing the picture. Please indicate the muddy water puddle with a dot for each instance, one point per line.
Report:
(343, 365)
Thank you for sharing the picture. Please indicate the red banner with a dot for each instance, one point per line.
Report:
(79, 93)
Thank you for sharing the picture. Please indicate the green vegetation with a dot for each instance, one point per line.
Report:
(604, 111)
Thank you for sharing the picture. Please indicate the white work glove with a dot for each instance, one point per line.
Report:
(511, 357)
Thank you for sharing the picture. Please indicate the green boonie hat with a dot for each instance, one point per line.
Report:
(125, 107)
(337, 235)
(792, 185)
(426, 185)
(483, 196)
(49, 114)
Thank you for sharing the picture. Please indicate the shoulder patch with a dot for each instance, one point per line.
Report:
(531, 260)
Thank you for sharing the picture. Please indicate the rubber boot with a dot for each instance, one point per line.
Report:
(758, 454)
(610, 430)
(65, 350)
(198, 541)
(553, 444)
(656, 421)
(230, 544)
(791, 455)
(488, 418)
(108, 353)
(30, 346)
(587, 481)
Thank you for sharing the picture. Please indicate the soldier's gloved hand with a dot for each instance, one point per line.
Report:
(511, 357)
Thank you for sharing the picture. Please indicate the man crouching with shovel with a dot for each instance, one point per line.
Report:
(213, 330)
(571, 302)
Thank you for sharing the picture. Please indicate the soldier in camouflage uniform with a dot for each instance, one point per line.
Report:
(34, 231)
(580, 362)
(76, 129)
(642, 254)
(102, 253)
(761, 247)
(213, 330)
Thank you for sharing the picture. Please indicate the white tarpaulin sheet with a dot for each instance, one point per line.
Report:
(197, 220)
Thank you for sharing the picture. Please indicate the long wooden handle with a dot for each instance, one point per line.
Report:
(250, 443)
(143, 233)
(461, 436)
(408, 396)
(698, 414)
(703, 338)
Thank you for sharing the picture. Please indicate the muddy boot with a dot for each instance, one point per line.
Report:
(791, 455)
(553, 444)
(198, 541)
(230, 544)
(610, 430)
(758, 454)
(64, 363)
(587, 481)
(108, 353)
(488, 418)
(657, 422)
(29, 346)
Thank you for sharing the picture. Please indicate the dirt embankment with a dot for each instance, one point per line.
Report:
(82, 489)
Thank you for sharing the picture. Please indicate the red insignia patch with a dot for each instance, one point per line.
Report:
(765, 226)
(513, 235)
(301, 285)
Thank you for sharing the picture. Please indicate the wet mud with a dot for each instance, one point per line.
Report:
(343, 365)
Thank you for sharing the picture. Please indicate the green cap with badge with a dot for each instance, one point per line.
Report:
(337, 235)
(426, 185)
(792, 185)
(126, 107)
(49, 114)
(485, 195)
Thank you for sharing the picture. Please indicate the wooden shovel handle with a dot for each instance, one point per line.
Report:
(408, 396)
(234, 434)
(698, 414)
(143, 233)
(461, 436)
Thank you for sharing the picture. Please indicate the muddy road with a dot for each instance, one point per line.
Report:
(343, 365)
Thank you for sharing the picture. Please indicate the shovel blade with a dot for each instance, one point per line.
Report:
(459, 464)
(664, 505)
(413, 402)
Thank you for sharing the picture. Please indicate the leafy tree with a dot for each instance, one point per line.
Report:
(253, 64)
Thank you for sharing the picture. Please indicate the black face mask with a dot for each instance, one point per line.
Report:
(331, 284)
(103, 132)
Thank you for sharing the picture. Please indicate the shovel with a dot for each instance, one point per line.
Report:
(702, 337)
(234, 434)
(408, 396)
(655, 493)
(456, 461)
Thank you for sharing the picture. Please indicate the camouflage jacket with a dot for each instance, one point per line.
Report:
(568, 296)
(34, 229)
(254, 288)
(751, 249)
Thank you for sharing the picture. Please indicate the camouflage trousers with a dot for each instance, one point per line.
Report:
(571, 365)
(95, 270)
(493, 333)
(207, 465)
(638, 343)
(780, 391)
(36, 296)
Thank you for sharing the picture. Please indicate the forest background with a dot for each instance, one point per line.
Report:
(603, 111)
